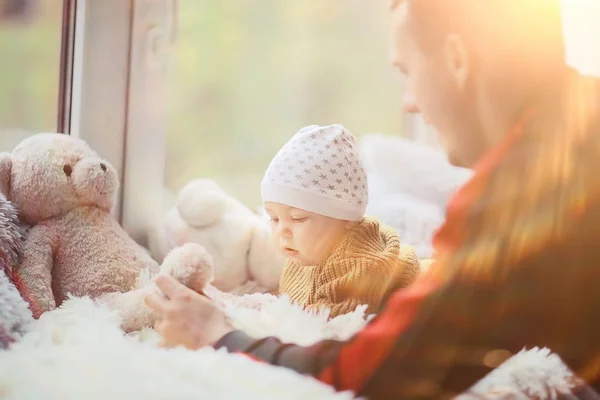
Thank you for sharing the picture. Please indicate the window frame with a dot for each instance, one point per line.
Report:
(113, 95)
(66, 66)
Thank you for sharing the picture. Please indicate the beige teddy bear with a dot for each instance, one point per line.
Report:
(65, 193)
(238, 239)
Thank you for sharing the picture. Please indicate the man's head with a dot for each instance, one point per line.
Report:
(473, 66)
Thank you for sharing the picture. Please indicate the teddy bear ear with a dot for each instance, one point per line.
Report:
(5, 173)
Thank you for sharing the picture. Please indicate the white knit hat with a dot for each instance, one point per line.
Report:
(319, 170)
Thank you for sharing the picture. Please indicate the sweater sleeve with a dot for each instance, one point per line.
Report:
(350, 365)
(304, 360)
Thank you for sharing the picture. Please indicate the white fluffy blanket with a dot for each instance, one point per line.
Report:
(79, 352)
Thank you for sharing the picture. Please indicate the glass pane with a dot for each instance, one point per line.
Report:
(30, 39)
(248, 74)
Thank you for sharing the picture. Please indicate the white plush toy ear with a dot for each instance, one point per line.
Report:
(5, 173)
(201, 203)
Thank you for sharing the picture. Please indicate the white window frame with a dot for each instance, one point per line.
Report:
(117, 97)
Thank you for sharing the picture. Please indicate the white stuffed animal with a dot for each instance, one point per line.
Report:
(239, 240)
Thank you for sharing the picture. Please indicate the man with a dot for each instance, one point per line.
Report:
(517, 263)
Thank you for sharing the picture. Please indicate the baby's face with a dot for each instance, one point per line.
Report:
(303, 236)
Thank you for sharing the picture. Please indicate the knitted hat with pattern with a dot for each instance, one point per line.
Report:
(319, 170)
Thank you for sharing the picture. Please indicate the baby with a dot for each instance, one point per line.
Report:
(315, 191)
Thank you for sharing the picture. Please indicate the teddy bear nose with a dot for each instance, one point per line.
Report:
(103, 167)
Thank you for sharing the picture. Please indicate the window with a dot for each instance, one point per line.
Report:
(30, 49)
(245, 76)
(238, 81)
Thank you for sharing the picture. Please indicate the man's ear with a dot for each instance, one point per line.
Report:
(457, 60)
(5, 173)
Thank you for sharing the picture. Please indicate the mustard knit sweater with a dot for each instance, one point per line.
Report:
(364, 269)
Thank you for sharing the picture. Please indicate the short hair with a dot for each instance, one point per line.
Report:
(487, 21)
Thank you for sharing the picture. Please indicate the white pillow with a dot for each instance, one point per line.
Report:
(400, 166)
(415, 220)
